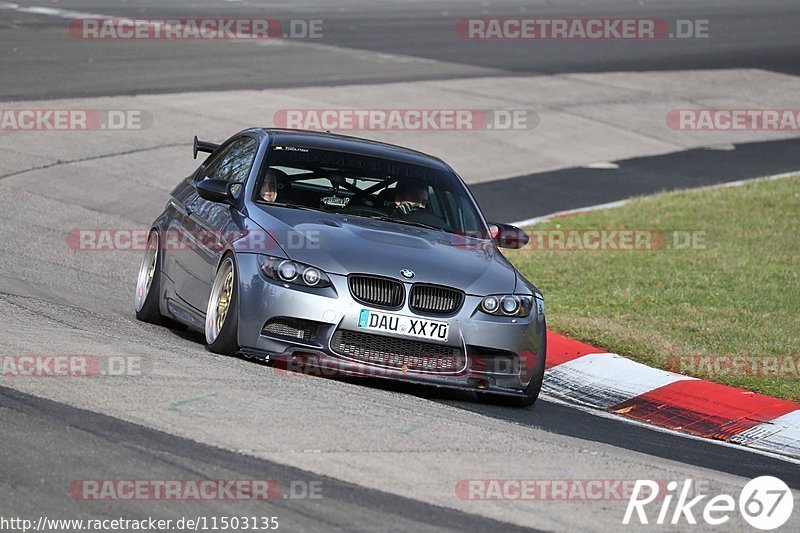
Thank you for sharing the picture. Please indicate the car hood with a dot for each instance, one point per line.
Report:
(340, 244)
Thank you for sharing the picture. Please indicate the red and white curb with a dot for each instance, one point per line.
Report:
(584, 375)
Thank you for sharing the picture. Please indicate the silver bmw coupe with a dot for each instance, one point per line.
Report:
(349, 257)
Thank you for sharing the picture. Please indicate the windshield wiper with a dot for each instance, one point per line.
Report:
(383, 218)
(294, 206)
(401, 221)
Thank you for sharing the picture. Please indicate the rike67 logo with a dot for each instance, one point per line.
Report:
(765, 503)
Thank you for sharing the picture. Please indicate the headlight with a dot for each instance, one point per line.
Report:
(490, 304)
(287, 271)
(311, 276)
(507, 305)
(292, 272)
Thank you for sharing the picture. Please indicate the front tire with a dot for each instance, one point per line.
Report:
(148, 284)
(222, 313)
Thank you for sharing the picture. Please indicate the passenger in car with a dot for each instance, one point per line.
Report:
(276, 187)
(269, 190)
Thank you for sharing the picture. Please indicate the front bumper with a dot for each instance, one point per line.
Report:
(482, 340)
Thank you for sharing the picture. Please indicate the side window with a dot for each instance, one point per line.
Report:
(235, 162)
(459, 214)
(435, 207)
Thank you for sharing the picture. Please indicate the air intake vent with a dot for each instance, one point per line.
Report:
(381, 292)
(286, 326)
(396, 353)
(435, 299)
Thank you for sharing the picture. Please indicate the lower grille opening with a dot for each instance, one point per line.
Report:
(493, 361)
(397, 353)
(296, 328)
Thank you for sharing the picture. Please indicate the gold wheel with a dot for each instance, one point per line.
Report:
(220, 300)
(224, 300)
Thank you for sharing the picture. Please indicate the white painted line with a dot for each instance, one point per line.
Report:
(748, 181)
(602, 165)
(602, 380)
(354, 53)
(618, 203)
(612, 416)
(52, 12)
(720, 147)
(557, 214)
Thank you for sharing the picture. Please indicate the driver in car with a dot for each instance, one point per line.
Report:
(409, 197)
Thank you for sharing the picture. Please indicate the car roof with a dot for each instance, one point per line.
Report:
(355, 145)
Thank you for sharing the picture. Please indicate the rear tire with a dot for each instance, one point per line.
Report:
(222, 313)
(148, 284)
(534, 387)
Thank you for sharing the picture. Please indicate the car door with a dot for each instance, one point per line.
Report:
(208, 225)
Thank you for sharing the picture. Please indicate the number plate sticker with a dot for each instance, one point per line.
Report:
(404, 325)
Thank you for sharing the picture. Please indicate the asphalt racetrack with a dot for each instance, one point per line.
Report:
(380, 456)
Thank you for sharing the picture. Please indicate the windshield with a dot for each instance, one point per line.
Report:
(352, 184)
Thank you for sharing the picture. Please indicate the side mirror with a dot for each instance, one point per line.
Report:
(216, 191)
(508, 236)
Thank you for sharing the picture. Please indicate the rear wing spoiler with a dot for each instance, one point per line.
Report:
(202, 146)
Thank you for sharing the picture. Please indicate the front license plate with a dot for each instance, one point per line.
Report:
(404, 325)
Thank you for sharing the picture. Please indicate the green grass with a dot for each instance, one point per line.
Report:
(737, 295)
